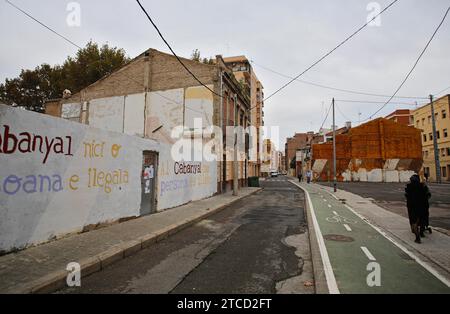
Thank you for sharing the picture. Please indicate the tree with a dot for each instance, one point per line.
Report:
(33, 87)
(196, 56)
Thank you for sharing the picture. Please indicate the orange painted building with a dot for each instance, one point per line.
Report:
(380, 150)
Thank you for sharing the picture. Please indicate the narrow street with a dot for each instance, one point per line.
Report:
(256, 245)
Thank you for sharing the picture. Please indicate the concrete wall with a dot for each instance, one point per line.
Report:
(165, 110)
(79, 176)
(176, 187)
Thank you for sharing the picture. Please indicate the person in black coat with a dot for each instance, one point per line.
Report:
(417, 196)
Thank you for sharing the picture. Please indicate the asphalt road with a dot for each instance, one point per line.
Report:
(256, 245)
(391, 197)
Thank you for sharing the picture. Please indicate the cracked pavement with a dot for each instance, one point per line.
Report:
(256, 245)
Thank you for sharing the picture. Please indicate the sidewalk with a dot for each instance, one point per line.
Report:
(42, 269)
(353, 235)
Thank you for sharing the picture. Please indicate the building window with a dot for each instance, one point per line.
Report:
(443, 152)
(430, 136)
(444, 114)
(417, 123)
(448, 151)
(426, 154)
(423, 121)
(436, 116)
(438, 135)
(445, 132)
(424, 138)
(429, 119)
(444, 172)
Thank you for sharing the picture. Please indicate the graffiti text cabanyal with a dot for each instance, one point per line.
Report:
(26, 142)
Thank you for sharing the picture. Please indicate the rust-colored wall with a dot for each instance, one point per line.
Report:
(372, 143)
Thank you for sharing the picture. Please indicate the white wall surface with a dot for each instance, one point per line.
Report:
(107, 113)
(165, 110)
(134, 114)
(34, 211)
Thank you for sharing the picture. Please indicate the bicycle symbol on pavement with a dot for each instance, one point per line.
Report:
(340, 219)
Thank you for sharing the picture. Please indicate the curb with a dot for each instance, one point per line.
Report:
(57, 279)
(320, 282)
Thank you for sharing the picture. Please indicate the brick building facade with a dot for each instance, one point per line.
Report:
(153, 94)
(380, 150)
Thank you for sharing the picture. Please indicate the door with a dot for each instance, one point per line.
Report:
(148, 182)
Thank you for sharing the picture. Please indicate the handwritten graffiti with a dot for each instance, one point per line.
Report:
(102, 179)
(187, 168)
(93, 149)
(173, 185)
(26, 142)
(12, 184)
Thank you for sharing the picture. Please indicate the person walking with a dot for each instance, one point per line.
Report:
(308, 176)
(426, 175)
(417, 196)
(300, 176)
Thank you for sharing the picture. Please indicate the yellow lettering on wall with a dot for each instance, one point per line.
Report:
(73, 180)
(115, 148)
(107, 179)
(93, 149)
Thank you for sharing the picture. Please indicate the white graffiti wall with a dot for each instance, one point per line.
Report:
(57, 176)
(164, 112)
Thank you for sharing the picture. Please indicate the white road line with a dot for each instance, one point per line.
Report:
(347, 227)
(368, 254)
(401, 247)
(329, 205)
(324, 200)
(329, 275)
(335, 213)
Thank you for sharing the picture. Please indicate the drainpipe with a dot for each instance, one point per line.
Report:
(146, 88)
(235, 161)
(221, 128)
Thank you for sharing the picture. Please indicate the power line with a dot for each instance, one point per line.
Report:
(413, 67)
(79, 47)
(438, 93)
(326, 116)
(376, 102)
(44, 25)
(342, 114)
(333, 88)
(173, 52)
(331, 51)
(61, 36)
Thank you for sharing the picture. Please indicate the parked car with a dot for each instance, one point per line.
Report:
(274, 173)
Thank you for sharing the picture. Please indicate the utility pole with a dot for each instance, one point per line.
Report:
(235, 161)
(435, 144)
(334, 151)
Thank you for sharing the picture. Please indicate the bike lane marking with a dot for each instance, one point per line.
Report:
(399, 272)
(368, 254)
(328, 270)
(404, 249)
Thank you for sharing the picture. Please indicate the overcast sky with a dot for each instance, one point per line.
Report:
(285, 36)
